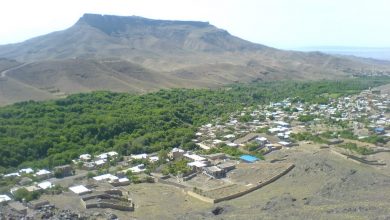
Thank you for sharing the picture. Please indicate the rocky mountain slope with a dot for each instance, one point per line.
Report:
(135, 54)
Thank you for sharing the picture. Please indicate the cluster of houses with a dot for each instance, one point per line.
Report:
(40, 174)
(277, 121)
(42, 179)
(28, 177)
(264, 128)
(33, 181)
(88, 162)
(280, 119)
(367, 112)
(214, 165)
(236, 134)
(39, 180)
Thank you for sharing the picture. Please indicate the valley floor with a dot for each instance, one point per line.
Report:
(325, 182)
(321, 186)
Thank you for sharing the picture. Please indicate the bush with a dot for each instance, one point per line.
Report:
(23, 194)
(374, 139)
(357, 149)
(56, 190)
(306, 118)
(263, 130)
(90, 175)
(252, 146)
(177, 167)
(306, 136)
(149, 179)
(232, 151)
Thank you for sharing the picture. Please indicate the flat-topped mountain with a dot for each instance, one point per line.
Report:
(105, 52)
(102, 36)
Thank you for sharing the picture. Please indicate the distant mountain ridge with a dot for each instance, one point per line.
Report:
(382, 53)
(135, 54)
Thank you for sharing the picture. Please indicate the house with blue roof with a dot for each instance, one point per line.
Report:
(379, 130)
(248, 158)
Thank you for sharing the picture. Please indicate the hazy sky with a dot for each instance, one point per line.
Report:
(277, 23)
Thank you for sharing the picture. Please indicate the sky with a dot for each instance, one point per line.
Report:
(286, 24)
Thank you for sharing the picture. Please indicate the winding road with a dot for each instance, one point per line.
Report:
(3, 73)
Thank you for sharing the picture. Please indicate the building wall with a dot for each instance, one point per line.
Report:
(200, 197)
(233, 196)
(170, 183)
(107, 205)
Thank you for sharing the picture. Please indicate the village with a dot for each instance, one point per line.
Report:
(232, 159)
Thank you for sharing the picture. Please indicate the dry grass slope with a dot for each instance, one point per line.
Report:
(134, 54)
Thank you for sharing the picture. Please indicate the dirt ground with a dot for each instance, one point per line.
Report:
(321, 186)
(158, 201)
(204, 182)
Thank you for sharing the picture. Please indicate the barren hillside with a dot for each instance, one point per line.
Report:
(135, 54)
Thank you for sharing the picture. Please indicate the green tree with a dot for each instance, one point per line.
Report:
(23, 194)
(90, 175)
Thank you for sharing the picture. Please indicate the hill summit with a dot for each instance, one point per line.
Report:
(166, 34)
(135, 54)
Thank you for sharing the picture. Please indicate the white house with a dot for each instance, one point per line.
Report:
(11, 175)
(232, 145)
(153, 159)
(277, 129)
(198, 164)
(112, 154)
(80, 189)
(120, 182)
(282, 123)
(85, 157)
(100, 162)
(229, 136)
(203, 146)
(216, 141)
(26, 170)
(108, 177)
(176, 153)
(138, 169)
(285, 143)
(194, 157)
(261, 140)
(4, 199)
(139, 156)
(45, 185)
(42, 174)
(105, 156)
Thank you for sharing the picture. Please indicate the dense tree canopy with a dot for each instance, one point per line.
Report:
(50, 133)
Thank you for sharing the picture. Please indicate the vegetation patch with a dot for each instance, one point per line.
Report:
(357, 149)
(50, 133)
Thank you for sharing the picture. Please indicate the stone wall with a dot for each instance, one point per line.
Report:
(170, 183)
(103, 205)
(248, 190)
(107, 199)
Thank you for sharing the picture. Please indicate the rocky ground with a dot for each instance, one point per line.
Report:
(321, 186)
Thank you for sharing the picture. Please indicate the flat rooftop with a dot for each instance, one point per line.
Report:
(249, 158)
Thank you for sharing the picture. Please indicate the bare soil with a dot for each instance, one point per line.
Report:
(321, 186)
